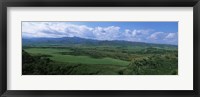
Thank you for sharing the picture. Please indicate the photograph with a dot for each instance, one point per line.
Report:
(99, 47)
(124, 48)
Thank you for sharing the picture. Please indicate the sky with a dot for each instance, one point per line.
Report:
(150, 32)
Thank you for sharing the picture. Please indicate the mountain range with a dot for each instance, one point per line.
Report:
(67, 41)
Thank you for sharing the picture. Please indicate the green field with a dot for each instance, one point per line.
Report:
(74, 59)
(99, 60)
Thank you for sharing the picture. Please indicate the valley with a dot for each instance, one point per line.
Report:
(80, 56)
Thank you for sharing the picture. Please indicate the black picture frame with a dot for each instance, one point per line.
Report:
(99, 3)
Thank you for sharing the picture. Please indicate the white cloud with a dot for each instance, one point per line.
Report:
(156, 35)
(171, 36)
(53, 29)
(163, 37)
(129, 33)
(62, 29)
(106, 33)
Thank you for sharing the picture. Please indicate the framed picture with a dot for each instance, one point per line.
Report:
(60, 48)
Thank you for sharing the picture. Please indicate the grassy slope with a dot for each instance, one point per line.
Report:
(74, 59)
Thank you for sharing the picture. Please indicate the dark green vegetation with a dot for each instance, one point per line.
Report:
(77, 56)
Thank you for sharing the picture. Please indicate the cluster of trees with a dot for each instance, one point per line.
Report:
(34, 64)
(120, 53)
(98, 54)
(152, 50)
(154, 65)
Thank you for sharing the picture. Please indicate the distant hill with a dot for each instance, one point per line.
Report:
(67, 41)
